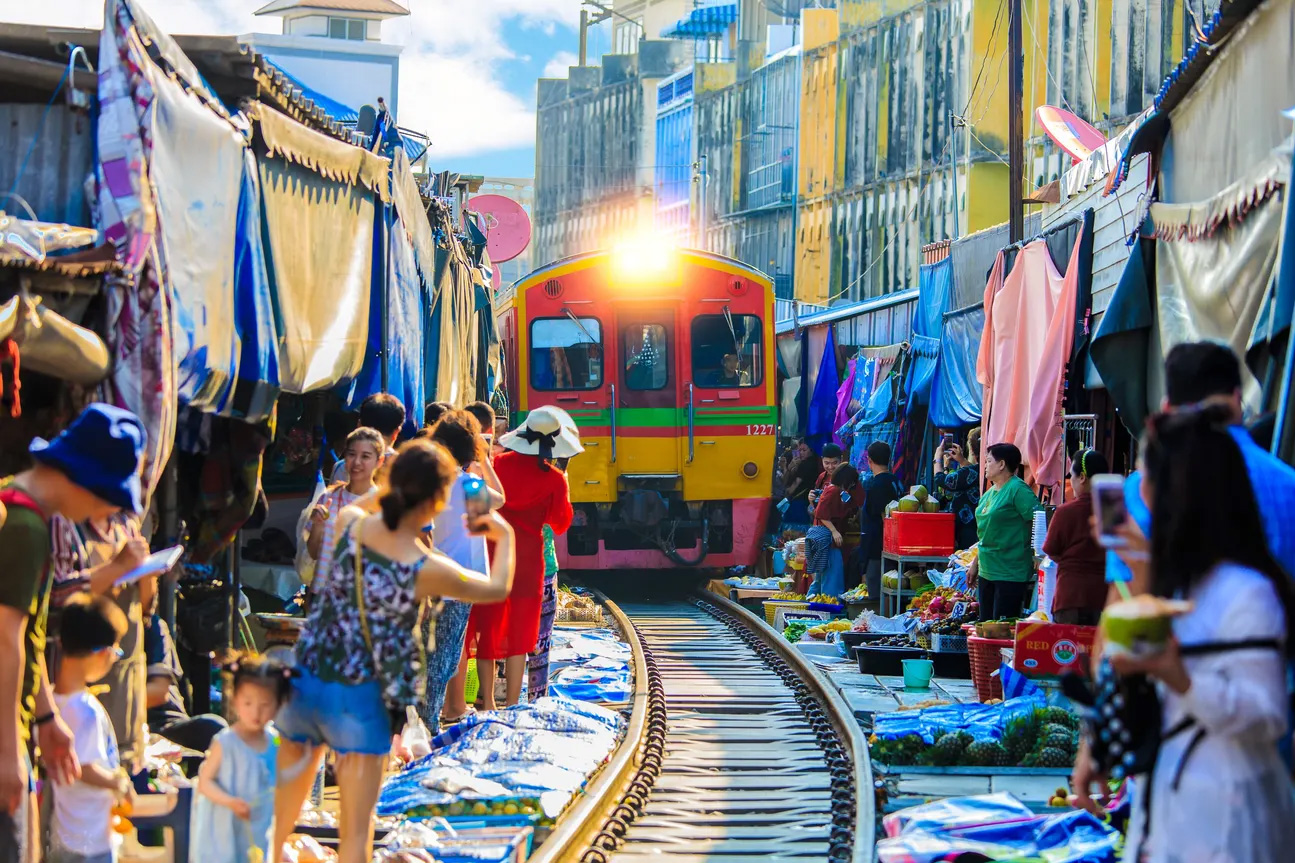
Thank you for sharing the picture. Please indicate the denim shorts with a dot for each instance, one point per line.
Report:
(346, 717)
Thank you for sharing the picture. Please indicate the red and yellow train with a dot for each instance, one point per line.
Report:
(665, 360)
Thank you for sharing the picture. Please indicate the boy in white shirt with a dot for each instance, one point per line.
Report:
(82, 830)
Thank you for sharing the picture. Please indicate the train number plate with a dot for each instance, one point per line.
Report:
(759, 430)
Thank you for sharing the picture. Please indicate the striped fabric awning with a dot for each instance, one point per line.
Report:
(703, 21)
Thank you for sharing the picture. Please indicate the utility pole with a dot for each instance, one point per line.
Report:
(1015, 130)
(584, 36)
(955, 122)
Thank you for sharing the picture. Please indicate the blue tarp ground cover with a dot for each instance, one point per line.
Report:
(956, 395)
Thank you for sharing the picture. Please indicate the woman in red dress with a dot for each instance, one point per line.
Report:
(535, 494)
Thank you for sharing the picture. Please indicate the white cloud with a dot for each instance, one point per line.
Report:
(450, 86)
(561, 62)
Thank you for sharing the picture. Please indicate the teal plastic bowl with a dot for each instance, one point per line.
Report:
(917, 673)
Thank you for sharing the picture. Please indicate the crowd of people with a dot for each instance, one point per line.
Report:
(449, 534)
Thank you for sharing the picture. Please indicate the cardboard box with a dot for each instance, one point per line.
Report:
(1052, 649)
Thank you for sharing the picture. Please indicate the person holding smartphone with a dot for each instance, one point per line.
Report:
(957, 475)
(459, 432)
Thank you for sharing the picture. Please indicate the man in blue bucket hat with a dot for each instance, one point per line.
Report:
(91, 470)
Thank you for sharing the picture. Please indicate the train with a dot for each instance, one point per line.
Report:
(665, 360)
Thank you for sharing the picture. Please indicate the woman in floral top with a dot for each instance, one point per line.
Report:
(360, 667)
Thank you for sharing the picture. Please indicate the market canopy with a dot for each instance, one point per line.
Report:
(702, 22)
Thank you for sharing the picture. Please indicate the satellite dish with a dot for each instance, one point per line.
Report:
(1075, 136)
(507, 227)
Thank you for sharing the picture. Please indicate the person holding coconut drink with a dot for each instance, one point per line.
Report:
(1217, 653)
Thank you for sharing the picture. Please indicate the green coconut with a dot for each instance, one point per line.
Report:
(909, 503)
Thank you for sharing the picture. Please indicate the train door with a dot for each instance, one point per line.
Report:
(569, 349)
(647, 418)
(728, 413)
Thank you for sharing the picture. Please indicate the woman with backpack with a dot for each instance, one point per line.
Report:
(1216, 790)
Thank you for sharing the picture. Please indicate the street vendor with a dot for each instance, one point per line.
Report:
(1081, 563)
(840, 501)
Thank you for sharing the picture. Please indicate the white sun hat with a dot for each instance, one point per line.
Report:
(548, 431)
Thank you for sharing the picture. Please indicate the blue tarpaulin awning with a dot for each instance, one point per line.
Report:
(703, 21)
(335, 109)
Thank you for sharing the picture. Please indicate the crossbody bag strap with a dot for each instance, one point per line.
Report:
(359, 585)
(1208, 647)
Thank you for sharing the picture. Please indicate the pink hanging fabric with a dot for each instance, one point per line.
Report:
(1046, 441)
(1029, 328)
(843, 393)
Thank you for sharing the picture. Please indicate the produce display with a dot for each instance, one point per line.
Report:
(1037, 736)
(893, 641)
(795, 631)
(821, 631)
(824, 599)
(856, 594)
(750, 582)
(788, 596)
(914, 579)
(941, 602)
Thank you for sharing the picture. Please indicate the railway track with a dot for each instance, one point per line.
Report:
(738, 749)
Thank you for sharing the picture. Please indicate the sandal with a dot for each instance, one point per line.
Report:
(446, 722)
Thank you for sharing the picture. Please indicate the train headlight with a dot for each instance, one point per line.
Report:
(646, 259)
(750, 470)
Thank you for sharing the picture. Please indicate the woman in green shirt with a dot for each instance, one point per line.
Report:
(1004, 569)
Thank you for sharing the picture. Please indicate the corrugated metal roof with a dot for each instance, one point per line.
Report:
(382, 7)
(53, 181)
(850, 310)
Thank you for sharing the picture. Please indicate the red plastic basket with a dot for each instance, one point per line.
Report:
(920, 534)
(985, 660)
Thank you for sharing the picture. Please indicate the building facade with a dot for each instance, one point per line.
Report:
(827, 148)
(335, 47)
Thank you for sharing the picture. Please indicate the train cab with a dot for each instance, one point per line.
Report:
(665, 360)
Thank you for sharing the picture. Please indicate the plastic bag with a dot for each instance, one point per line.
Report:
(981, 721)
(593, 684)
(1070, 837)
(415, 738)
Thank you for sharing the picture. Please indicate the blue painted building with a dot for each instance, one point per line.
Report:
(674, 156)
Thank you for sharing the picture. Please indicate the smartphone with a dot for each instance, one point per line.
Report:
(476, 495)
(1109, 508)
(947, 440)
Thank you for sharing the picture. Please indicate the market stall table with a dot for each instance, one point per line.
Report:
(896, 595)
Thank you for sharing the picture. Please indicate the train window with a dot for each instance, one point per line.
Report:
(566, 353)
(647, 356)
(727, 351)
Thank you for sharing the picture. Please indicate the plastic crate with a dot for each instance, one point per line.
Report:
(771, 607)
(918, 534)
(942, 643)
(986, 657)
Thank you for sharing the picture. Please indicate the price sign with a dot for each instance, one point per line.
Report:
(959, 610)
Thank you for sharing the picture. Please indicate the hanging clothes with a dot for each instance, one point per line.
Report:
(256, 387)
(1024, 351)
(844, 395)
(822, 405)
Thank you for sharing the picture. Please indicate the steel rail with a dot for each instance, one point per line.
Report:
(725, 789)
(580, 825)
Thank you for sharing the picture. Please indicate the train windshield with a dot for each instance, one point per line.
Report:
(727, 351)
(566, 353)
(647, 356)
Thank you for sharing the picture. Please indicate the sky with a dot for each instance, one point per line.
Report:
(484, 55)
